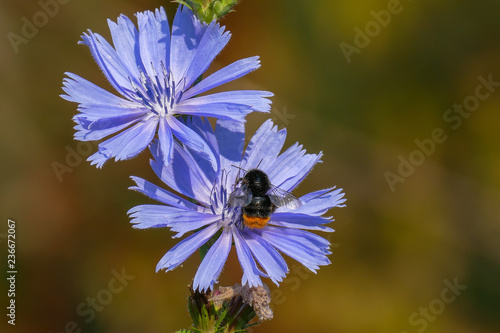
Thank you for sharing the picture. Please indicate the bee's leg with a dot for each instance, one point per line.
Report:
(234, 216)
(240, 224)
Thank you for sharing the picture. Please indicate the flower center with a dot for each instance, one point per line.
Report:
(219, 200)
(157, 91)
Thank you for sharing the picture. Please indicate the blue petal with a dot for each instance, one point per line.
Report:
(186, 35)
(319, 202)
(125, 37)
(154, 40)
(267, 256)
(182, 228)
(182, 174)
(231, 138)
(110, 63)
(300, 221)
(305, 247)
(98, 112)
(101, 113)
(97, 129)
(264, 147)
(185, 248)
(291, 167)
(204, 129)
(178, 219)
(127, 144)
(214, 261)
(254, 100)
(251, 273)
(157, 193)
(233, 105)
(226, 111)
(229, 73)
(89, 95)
(84, 134)
(213, 41)
(163, 32)
(192, 140)
(166, 140)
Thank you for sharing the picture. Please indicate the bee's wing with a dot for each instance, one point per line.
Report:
(241, 196)
(282, 198)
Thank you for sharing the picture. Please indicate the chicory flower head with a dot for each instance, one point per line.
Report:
(156, 72)
(205, 215)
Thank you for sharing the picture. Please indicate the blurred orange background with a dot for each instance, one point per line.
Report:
(366, 82)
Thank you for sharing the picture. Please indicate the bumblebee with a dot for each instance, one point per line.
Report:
(258, 199)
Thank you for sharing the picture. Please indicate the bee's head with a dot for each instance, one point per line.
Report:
(258, 182)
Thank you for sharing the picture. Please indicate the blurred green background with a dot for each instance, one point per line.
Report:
(397, 248)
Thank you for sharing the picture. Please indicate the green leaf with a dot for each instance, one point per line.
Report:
(222, 315)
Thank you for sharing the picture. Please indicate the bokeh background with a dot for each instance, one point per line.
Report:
(396, 248)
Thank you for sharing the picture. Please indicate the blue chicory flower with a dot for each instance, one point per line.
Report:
(157, 72)
(206, 213)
